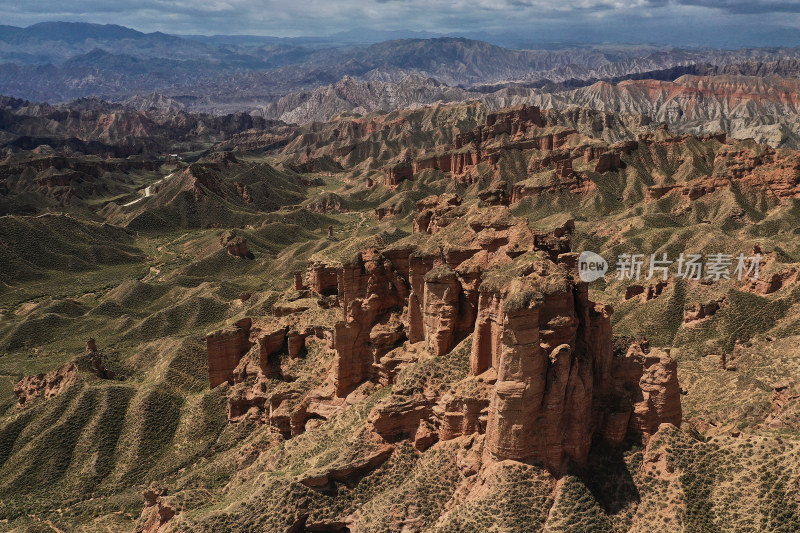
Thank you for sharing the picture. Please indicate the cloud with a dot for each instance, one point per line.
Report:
(748, 7)
(619, 20)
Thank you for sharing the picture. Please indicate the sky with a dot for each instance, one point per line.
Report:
(729, 23)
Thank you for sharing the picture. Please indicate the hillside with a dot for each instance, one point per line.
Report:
(377, 322)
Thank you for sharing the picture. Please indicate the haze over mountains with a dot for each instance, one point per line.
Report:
(305, 79)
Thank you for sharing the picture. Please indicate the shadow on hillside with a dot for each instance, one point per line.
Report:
(608, 478)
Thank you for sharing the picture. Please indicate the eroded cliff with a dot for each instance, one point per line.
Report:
(543, 383)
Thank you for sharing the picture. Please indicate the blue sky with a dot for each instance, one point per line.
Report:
(680, 22)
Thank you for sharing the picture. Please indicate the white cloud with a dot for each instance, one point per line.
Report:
(317, 17)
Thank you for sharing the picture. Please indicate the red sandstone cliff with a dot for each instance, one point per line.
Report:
(544, 382)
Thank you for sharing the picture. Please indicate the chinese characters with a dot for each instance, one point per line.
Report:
(715, 267)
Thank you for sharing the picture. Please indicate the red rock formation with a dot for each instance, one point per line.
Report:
(440, 162)
(649, 292)
(383, 212)
(573, 182)
(556, 376)
(348, 474)
(56, 381)
(91, 345)
(782, 396)
(268, 344)
(540, 409)
(564, 169)
(395, 174)
(466, 157)
(234, 245)
(544, 382)
(397, 418)
(322, 278)
(647, 379)
(440, 309)
(295, 343)
(495, 195)
(431, 209)
(45, 385)
(368, 289)
(157, 511)
(419, 266)
(460, 414)
(656, 193)
(225, 348)
(769, 283)
(699, 311)
(607, 161)
(486, 343)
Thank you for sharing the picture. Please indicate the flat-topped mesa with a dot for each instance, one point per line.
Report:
(558, 384)
(535, 332)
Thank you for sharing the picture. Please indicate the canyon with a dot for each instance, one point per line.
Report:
(377, 323)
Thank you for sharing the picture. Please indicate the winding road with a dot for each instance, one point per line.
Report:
(148, 191)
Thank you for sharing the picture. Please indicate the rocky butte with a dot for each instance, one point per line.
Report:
(543, 383)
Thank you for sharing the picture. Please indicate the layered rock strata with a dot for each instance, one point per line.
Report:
(543, 382)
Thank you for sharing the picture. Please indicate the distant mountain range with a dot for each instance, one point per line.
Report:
(57, 61)
(747, 93)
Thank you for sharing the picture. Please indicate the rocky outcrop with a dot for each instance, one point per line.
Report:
(235, 245)
(368, 289)
(433, 208)
(348, 474)
(442, 162)
(646, 387)
(782, 397)
(53, 383)
(225, 348)
(541, 405)
(45, 385)
(322, 278)
(700, 311)
(157, 510)
(395, 174)
(463, 411)
(388, 211)
(607, 161)
(565, 181)
(495, 195)
(440, 309)
(646, 292)
(543, 384)
(769, 283)
(400, 417)
(520, 128)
